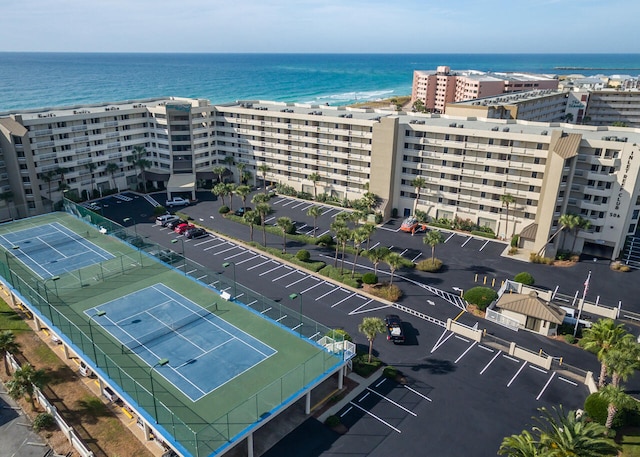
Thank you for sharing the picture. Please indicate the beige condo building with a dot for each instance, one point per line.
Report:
(468, 162)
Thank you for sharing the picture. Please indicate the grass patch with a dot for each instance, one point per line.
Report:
(93, 406)
(629, 439)
(46, 356)
(343, 277)
(10, 320)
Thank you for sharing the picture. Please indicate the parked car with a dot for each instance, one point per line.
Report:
(411, 225)
(394, 328)
(165, 219)
(173, 224)
(240, 211)
(177, 201)
(180, 229)
(195, 232)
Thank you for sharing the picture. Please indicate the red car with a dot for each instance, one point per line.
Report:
(180, 229)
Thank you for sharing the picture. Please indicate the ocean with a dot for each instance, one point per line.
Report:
(39, 80)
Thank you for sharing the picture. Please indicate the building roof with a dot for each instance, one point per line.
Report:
(531, 305)
(529, 232)
(14, 127)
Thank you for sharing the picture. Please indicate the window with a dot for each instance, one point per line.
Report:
(536, 160)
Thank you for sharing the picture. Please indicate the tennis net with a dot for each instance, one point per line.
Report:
(170, 327)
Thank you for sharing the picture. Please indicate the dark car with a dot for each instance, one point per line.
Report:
(242, 210)
(394, 328)
(173, 224)
(195, 232)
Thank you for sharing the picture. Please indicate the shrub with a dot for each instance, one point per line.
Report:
(364, 368)
(325, 240)
(305, 195)
(43, 421)
(429, 265)
(625, 268)
(332, 421)
(480, 296)
(369, 278)
(158, 210)
(394, 212)
(570, 339)
(515, 239)
(536, 258)
(390, 372)
(563, 255)
(303, 255)
(524, 278)
(513, 250)
(388, 292)
(483, 234)
(339, 335)
(223, 209)
(378, 218)
(596, 408)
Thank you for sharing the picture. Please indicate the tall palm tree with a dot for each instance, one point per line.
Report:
(230, 189)
(568, 221)
(419, 184)
(565, 221)
(112, 168)
(8, 345)
(369, 229)
(371, 327)
(264, 169)
(507, 200)
(314, 178)
(138, 159)
(338, 226)
(617, 399)
(369, 199)
(91, 167)
(249, 218)
(377, 255)
(24, 381)
(603, 336)
(219, 170)
(580, 224)
(522, 445)
(285, 224)
(342, 237)
(623, 360)
(220, 190)
(7, 197)
(394, 260)
(240, 166)
(246, 176)
(243, 191)
(48, 177)
(263, 209)
(433, 238)
(315, 212)
(358, 236)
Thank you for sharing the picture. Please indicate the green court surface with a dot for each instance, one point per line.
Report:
(211, 423)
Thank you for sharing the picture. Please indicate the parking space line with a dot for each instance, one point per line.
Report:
(465, 352)
(393, 402)
(467, 240)
(376, 417)
(288, 203)
(236, 255)
(357, 310)
(339, 212)
(524, 364)
(374, 246)
(283, 276)
(211, 247)
(346, 298)
(304, 276)
(330, 292)
(307, 207)
(324, 233)
(450, 236)
(199, 278)
(280, 318)
(546, 385)
(416, 257)
(277, 202)
(269, 271)
(209, 240)
(260, 264)
(417, 393)
(567, 381)
(301, 227)
(404, 252)
(538, 369)
(228, 249)
(490, 362)
(461, 338)
(441, 340)
(513, 359)
(347, 411)
(265, 310)
(485, 348)
(299, 204)
(270, 219)
(484, 245)
(249, 304)
(315, 285)
(250, 258)
(382, 381)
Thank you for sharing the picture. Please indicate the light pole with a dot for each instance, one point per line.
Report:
(235, 284)
(293, 297)
(184, 254)
(46, 290)
(159, 363)
(97, 314)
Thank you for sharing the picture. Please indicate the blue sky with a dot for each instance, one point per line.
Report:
(331, 26)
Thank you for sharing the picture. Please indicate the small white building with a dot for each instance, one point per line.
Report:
(531, 312)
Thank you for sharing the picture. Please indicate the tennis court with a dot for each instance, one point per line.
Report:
(204, 351)
(51, 249)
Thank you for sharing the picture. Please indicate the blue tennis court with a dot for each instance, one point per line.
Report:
(204, 351)
(52, 249)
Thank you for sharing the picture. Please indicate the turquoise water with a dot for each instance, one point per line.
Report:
(37, 80)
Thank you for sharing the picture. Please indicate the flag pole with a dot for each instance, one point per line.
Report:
(581, 304)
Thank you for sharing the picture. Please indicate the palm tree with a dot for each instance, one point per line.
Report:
(623, 360)
(314, 178)
(315, 212)
(617, 399)
(567, 435)
(358, 236)
(7, 197)
(112, 168)
(47, 177)
(91, 167)
(263, 209)
(246, 176)
(342, 237)
(249, 217)
(230, 189)
(8, 345)
(286, 225)
(566, 220)
(522, 445)
(507, 199)
(433, 238)
(394, 260)
(220, 190)
(138, 159)
(260, 198)
(243, 191)
(337, 226)
(377, 255)
(264, 169)
(240, 166)
(603, 336)
(369, 199)
(418, 183)
(24, 381)
(369, 229)
(219, 170)
(371, 327)
(580, 224)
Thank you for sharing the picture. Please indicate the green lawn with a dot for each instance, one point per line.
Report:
(10, 320)
(630, 442)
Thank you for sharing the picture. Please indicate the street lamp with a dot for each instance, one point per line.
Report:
(46, 290)
(293, 297)
(235, 284)
(159, 363)
(184, 254)
(97, 314)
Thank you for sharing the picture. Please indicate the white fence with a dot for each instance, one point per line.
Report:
(502, 320)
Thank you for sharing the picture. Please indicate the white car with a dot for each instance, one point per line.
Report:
(177, 201)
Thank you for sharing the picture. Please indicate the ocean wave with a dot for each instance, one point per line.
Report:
(352, 97)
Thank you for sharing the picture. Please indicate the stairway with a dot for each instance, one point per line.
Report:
(631, 253)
